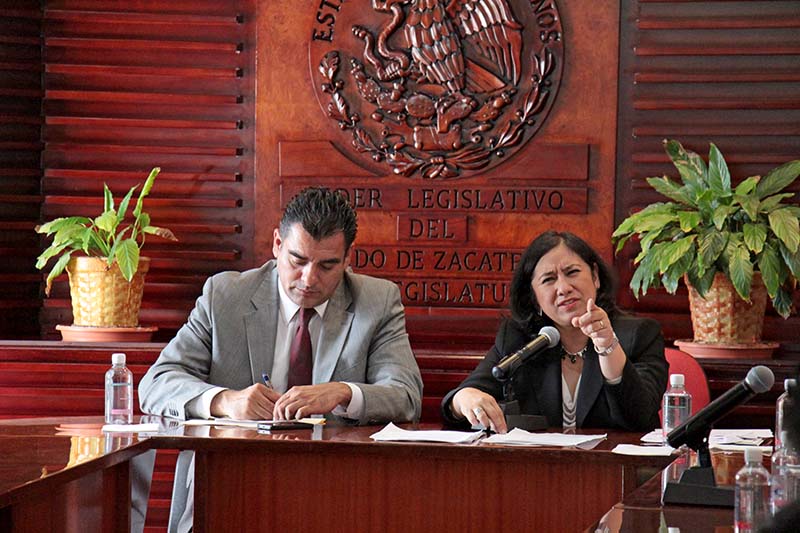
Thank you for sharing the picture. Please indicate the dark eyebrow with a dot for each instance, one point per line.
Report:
(331, 261)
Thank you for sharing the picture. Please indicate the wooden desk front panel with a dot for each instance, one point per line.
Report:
(385, 491)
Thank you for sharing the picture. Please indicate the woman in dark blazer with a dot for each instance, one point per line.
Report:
(607, 371)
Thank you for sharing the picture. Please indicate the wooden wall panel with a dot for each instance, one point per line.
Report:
(573, 153)
(20, 147)
(700, 72)
(132, 86)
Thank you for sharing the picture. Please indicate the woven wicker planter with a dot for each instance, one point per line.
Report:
(101, 297)
(723, 317)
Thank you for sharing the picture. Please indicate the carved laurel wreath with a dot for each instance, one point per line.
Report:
(474, 155)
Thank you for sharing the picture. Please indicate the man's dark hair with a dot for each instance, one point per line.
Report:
(322, 213)
(522, 302)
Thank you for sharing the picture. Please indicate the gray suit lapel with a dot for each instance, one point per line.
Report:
(260, 326)
(335, 328)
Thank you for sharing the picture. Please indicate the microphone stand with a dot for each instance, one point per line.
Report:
(697, 485)
(511, 409)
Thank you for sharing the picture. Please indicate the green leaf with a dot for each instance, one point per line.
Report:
(691, 166)
(721, 214)
(51, 251)
(754, 236)
(710, 246)
(673, 275)
(750, 204)
(108, 199)
(747, 186)
(778, 178)
(740, 271)
(670, 189)
(161, 232)
(674, 251)
(69, 234)
(702, 282)
(127, 256)
(689, 220)
(58, 268)
(769, 264)
(60, 223)
(782, 302)
(791, 259)
(771, 202)
(107, 222)
(148, 184)
(719, 178)
(123, 205)
(786, 226)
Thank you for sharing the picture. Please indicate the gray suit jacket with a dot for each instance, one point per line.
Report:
(229, 341)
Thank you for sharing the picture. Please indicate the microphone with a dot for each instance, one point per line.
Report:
(547, 338)
(759, 379)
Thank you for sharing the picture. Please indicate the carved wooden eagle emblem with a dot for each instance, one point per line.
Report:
(443, 86)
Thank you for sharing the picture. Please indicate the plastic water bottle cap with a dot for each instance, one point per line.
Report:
(676, 380)
(117, 358)
(752, 455)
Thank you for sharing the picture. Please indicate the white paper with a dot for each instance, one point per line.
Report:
(650, 451)
(131, 428)
(747, 437)
(520, 437)
(394, 433)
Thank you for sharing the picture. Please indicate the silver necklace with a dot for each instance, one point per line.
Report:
(574, 356)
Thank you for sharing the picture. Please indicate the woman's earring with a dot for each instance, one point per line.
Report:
(540, 311)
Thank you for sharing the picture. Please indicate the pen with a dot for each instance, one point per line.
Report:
(267, 382)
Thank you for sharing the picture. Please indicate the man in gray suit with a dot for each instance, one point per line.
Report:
(242, 328)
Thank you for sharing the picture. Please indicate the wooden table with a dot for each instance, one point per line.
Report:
(72, 479)
(338, 479)
(331, 479)
(642, 510)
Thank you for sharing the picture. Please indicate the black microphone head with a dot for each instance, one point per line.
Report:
(760, 379)
(552, 334)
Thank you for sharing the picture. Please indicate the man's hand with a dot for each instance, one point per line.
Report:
(299, 402)
(256, 402)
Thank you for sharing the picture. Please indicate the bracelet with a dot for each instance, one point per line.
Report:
(607, 351)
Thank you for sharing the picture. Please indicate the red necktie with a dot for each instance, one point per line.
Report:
(300, 360)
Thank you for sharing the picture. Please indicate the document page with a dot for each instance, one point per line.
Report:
(394, 433)
(520, 437)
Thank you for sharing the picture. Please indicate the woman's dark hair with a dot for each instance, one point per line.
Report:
(524, 309)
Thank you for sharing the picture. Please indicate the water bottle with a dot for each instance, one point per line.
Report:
(119, 392)
(784, 481)
(780, 408)
(677, 405)
(752, 494)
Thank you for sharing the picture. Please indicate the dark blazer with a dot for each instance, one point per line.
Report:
(632, 404)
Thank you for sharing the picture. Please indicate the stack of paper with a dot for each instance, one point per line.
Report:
(649, 451)
(520, 437)
(719, 438)
(394, 433)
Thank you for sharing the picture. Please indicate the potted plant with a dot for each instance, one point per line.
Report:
(738, 243)
(103, 261)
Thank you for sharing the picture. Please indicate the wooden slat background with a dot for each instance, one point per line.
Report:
(132, 86)
(20, 173)
(700, 72)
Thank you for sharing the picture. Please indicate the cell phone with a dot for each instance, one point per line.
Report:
(277, 425)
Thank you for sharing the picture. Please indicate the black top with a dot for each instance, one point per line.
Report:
(631, 405)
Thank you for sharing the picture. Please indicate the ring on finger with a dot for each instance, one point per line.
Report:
(477, 411)
(602, 325)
